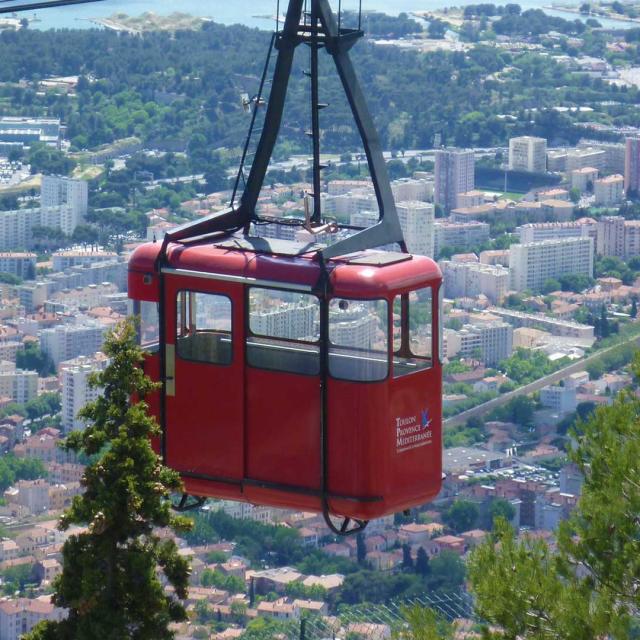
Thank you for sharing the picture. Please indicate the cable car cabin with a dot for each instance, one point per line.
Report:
(290, 385)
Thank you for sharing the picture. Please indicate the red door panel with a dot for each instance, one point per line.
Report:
(205, 416)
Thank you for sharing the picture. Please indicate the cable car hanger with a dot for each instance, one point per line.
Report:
(317, 28)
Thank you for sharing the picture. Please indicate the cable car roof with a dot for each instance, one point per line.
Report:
(364, 274)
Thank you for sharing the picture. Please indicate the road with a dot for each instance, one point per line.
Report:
(532, 387)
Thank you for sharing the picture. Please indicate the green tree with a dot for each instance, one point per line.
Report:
(361, 548)
(461, 515)
(499, 508)
(407, 559)
(422, 563)
(587, 588)
(424, 624)
(109, 584)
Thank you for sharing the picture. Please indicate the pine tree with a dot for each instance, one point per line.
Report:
(422, 563)
(361, 548)
(407, 560)
(110, 582)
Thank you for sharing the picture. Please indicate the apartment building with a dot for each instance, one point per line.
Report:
(67, 258)
(417, 221)
(20, 264)
(76, 392)
(470, 279)
(19, 385)
(491, 341)
(454, 174)
(632, 165)
(532, 264)
(68, 341)
(460, 236)
(609, 191)
(528, 153)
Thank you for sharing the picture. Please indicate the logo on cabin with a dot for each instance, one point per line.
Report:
(413, 431)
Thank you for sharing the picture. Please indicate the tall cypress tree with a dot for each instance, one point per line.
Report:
(110, 582)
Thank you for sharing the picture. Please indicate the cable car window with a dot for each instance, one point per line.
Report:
(358, 339)
(284, 331)
(203, 331)
(412, 332)
(149, 323)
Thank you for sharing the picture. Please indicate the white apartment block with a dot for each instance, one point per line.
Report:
(583, 179)
(541, 231)
(560, 400)
(76, 392)
(19, 616)
(614, 155)
(470, 279)
(286, 320)
(59, 191)
(609, 191)
(417, 221)
(493, 341)
(611, 236)
(341, 187)
(67, 258)
(21, 386)
(68, 341)
(528, 153)
(532, 264)
(561, 160)
(454, 174)
(462, 236)
(353, 327)
(19, 264)
(16, 227)
(555, 326)
(411, 190)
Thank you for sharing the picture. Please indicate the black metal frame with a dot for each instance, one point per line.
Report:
(316, 29)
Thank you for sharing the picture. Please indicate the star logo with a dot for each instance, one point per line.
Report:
(426, 421)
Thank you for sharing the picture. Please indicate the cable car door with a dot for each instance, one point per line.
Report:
(204, 388)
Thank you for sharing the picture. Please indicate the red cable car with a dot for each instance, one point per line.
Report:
(296, 375)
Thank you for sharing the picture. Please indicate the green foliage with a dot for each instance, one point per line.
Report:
(48, 160)
(587, 587)
(217, 579)
(525, 366)
(299, 590)
(462, 515)
(499, 508)
(424, 624)
(110, 584)
(32, 358)
(268, 628)
(13, 469)
(17, 578)
(9, 278)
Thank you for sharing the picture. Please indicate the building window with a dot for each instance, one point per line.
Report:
(149, 323)
(358, 339)
(203, 331)
(284, 331)
(412, 332)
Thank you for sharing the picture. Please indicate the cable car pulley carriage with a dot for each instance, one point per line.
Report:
(293, 374)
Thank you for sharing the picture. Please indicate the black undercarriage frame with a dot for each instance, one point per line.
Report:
(318, 28)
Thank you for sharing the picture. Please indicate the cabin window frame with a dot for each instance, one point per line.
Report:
(405, 338)
(179, 326)
(253, 339)
(387, 350)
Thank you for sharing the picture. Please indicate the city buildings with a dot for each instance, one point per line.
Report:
(470, 279)
(76, 392)
(454, 174)
(58, 191)
(583, 179)
(528, 153)
(532, 264)
(609, 191)
(16, 227)
(21, 386)
(19, 616)
(20, 264)
(17, 132)
(67, 258)
(632, 165)
(541, 231)
(560, 400)
(68, 341)
(491, 342)
(461, 236)
(417, 222)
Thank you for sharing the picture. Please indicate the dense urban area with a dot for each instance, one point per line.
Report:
(513, 144)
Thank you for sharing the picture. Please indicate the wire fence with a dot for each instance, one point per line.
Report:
(381, 621)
